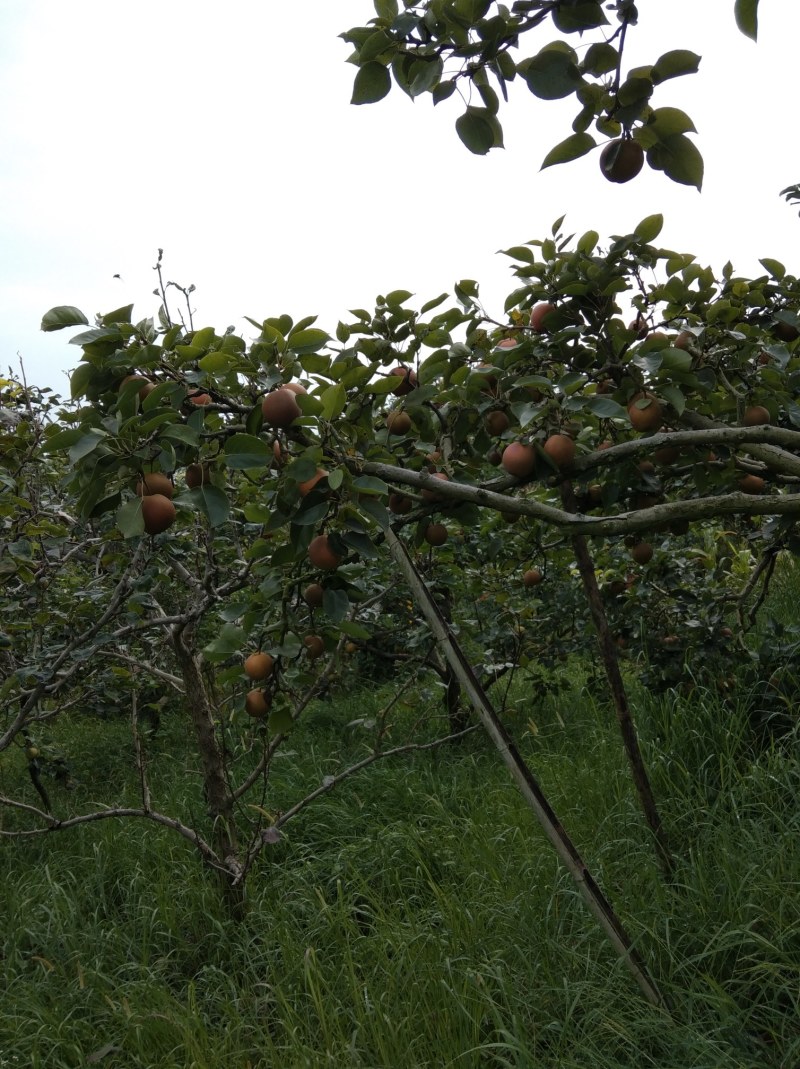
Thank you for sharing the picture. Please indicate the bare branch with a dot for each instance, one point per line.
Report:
(207, 852)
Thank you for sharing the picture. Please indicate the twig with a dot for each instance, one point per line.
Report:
(141, 766)
(207, 852)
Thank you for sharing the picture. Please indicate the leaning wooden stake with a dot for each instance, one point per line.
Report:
(525, 779)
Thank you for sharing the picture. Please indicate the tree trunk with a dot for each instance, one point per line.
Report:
(608, 651)
(215, 785)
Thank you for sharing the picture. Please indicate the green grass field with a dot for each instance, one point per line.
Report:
(416, 916)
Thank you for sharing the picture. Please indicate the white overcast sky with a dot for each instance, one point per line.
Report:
(223, 133)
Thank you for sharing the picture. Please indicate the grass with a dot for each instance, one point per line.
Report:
(416, 917)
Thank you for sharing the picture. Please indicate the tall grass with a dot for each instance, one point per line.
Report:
(416, 916)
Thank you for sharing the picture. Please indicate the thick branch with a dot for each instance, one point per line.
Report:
(693, 509)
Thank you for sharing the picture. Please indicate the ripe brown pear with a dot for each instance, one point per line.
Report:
(400, 504)
(561, 449)
(408, 383)
(259, 665)
(644, 412)
(496, 422)
(154, 482)
(519, 459)
(322, 555)
(257, 704)
(313, 595)
(755, 416)
(539, 313)
(279, 408)
(398, 422)
(306, 487)
(785, 331)
(621, 160)
(314, 645)
(158, 513)
(146, 386)
(642, 552)
(532, 577)
(667, 455)
(752, 484)
(197, 475)
(436, 534)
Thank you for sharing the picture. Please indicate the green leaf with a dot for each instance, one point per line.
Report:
(305, 342)
(425, 74)
(119, 315)
(335, 604)
(675, 360)
(587, 242)
(244, 451)
(129, 518)
(372, 507)
(333, 402)
(605, 408)
(386, 9)
(302, 469)
(398, 297)
(666, 121)
(434, 303)
(62, 440)
(87, 444)
(384, 385)
(578, 15)
(600, 58)
(369, 484)
(663, 123)
(372, 83)
(674, 64)
(217, 362)
(746, 14)
(231, 640)
(519, 252)
(310, 515)
(673, 396)
(375, 46)
(95, 334)
(775, 267)
(360, 543)
(280, 721)
(475, 131)
(79, 380)
(634, 92)
(679, 159)
(354, 630)
(443, 91)
(213, 503)
(649, 228)
(551, 74)
(181, 433)
(65, 315)
(571, 148)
